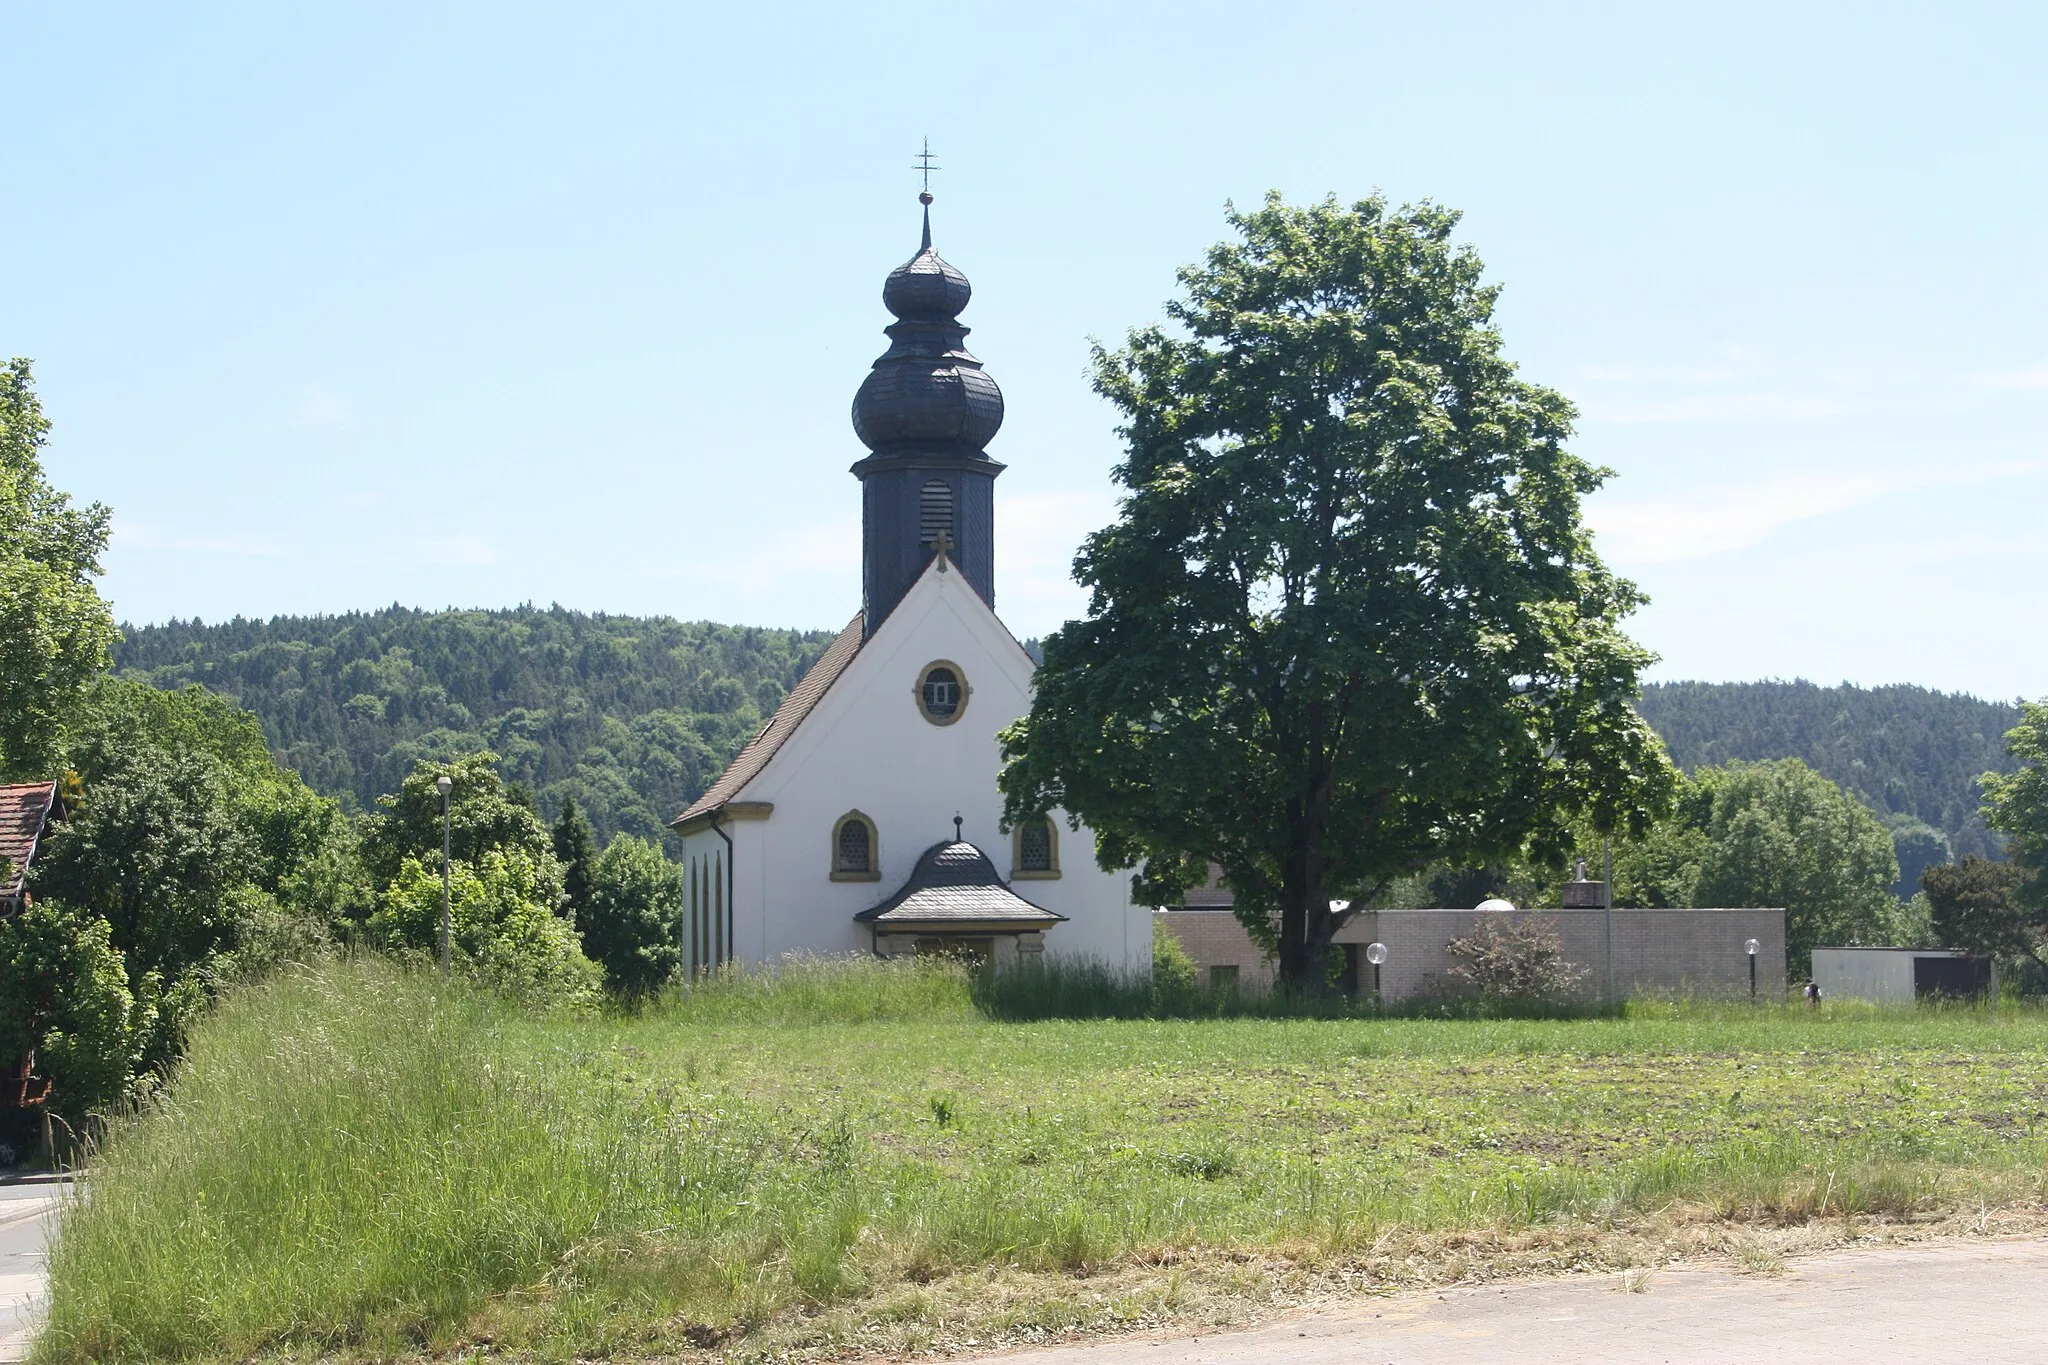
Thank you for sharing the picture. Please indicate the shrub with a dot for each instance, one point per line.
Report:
(628, 919)
(1509, 957)
(504, 929)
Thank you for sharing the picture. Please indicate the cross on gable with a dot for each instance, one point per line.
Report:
(942, 546)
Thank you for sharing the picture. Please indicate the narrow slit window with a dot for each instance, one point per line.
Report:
(934, 512)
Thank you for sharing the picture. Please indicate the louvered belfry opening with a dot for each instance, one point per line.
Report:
(935, 513)
(926, 412)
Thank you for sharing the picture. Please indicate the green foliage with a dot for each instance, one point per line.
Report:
(484, 816)
(64, 997)
(631, 716)
(1911, 754)
(1977, 907)
(504, 929)
(632, 917)
(1172, 966)
(2016, 803)
(367, 1164)
(576, 850)
(1782, 834)
(1917, 847)
(1349, 622)
(54, 629)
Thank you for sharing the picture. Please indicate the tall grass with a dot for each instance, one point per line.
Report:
(362, 1160)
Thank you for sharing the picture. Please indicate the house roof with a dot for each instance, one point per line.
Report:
(955, 884)
(25, 811)
(800, 702)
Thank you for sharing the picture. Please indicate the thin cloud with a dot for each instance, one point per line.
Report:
(1701, 522)
(143, 536)
(2020, 381)
(463, 549)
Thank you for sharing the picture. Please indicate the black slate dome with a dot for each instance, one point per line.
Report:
(926, 288)
(927, 393)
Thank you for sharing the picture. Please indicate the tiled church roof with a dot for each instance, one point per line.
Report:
(955, 883)
(795, 707)
(25, 808)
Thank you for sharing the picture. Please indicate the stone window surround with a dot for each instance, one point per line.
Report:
(874, 872)
(1048, 873)
(959, 675)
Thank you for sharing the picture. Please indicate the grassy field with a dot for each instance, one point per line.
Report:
(853, 1158)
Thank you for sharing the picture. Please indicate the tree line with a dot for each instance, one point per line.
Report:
(629, 717)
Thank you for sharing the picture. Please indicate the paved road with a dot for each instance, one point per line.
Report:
(27, 1214)
(1981, 1303)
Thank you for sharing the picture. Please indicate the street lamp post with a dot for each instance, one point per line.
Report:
(1750, 947)
(1375, 953)
(444, 784)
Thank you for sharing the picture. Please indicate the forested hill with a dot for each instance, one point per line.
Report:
(1909, 752)
(634, 716)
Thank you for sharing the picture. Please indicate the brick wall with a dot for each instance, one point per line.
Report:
(1656, 952)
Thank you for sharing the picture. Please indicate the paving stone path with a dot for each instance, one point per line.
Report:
(27, 1213)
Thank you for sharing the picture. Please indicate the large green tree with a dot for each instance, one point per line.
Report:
(1349, 622)
(2016, 804)
(484, 815)
(55, 630)
(1780, 834)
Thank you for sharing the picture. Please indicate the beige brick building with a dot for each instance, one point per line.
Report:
(1660, 953)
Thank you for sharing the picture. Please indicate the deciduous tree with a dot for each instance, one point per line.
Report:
(1349, 622)
(629, 923)
(55, 630)
(2016, 804)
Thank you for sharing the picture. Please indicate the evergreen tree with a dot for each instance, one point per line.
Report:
(575, 849)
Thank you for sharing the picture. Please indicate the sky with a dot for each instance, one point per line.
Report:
(476, 305)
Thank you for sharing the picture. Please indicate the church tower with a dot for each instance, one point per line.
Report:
(925, 412)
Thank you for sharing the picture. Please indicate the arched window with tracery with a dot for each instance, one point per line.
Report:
(1035, 850)
(856, 853)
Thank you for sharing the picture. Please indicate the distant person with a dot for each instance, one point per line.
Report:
(1813, 994)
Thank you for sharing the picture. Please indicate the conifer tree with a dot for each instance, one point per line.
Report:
(575, 850)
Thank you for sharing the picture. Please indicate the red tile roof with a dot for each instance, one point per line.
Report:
(25, 809)
(795, 707)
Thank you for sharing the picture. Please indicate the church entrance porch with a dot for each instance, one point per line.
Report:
(954, 905)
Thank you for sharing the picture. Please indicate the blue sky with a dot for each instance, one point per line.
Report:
(474, 305)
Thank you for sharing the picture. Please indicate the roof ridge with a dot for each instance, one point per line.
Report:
(755, 754)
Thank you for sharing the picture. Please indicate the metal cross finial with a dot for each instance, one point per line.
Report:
(925, 168)
(942, 545)
(957, 822)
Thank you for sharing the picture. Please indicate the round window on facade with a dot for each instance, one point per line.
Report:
(942, 692)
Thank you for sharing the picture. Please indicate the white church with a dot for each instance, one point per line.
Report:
(864, 816)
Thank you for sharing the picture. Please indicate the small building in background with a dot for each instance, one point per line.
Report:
(1899, 976)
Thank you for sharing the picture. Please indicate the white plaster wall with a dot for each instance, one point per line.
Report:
(1877, 974)
(867, 746)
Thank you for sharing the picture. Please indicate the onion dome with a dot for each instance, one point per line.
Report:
(927, 394)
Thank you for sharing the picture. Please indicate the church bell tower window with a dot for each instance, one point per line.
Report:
(942, 692)
(934, 512)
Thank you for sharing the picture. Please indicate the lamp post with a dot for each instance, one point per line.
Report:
(444, 784)
(1375, 953)
(1750, 947)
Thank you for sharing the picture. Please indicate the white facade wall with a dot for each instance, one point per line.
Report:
(867, 746)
